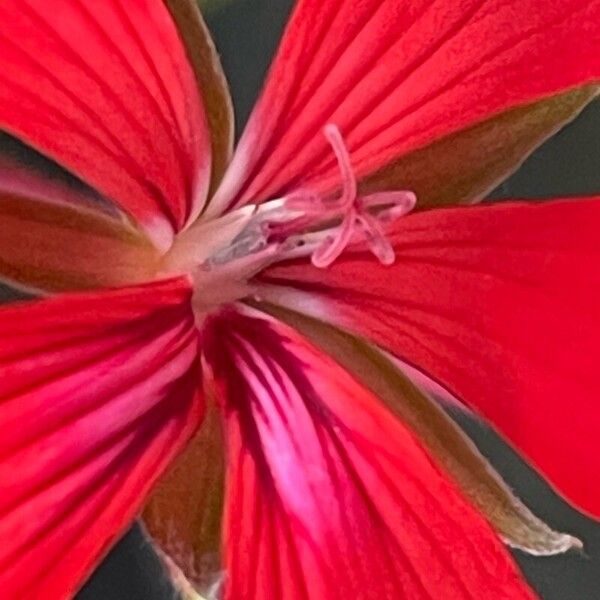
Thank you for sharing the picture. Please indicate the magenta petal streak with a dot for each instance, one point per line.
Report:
(329, 496)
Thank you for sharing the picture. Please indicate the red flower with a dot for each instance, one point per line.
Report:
(343, 479)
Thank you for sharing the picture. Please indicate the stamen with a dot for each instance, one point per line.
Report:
(334, 245)
(366, 214)
(350, 187)
(379, 245)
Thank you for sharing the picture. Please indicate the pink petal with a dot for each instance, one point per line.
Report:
(98, 393)
(498, 304)
(397, 75)
(329, 495)
(105, 89)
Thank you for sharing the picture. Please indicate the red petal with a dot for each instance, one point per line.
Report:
(396, 75)
(329, 495)
(97, 396)
(105, 89)
(499, 304)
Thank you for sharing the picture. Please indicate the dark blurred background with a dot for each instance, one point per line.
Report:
(246, 33)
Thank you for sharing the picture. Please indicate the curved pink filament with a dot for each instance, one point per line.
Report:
(368, 214)
(350, 186)
(375, 237)
(393, 205)
(334, 245)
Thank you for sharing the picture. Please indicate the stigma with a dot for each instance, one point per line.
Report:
(224, 254)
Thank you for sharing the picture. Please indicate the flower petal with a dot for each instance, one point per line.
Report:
(447, 443)
(329, 496)
(496, 303)
(396, 76)
(98, 394)
(107, 91)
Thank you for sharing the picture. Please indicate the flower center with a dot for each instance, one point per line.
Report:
(233, 248)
